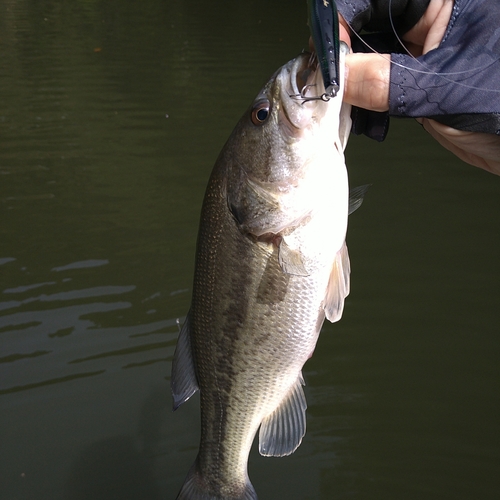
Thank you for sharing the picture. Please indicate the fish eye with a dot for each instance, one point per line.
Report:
(260, 112)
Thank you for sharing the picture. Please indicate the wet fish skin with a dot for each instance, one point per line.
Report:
(271, 263)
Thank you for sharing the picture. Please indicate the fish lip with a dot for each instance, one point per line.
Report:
(296, 112)
(303, 70)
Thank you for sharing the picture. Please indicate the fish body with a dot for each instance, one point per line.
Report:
(271, 263)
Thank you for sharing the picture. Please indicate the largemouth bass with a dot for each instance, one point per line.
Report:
(271, 264)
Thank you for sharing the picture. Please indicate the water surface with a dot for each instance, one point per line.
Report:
(112, 116)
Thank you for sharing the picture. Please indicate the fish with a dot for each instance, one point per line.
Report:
(271, 264)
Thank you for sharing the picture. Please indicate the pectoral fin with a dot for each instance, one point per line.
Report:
(290, 260)
(183, 382)
(338, 285)
(282, 431)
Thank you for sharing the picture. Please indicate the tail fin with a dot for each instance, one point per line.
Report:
(195, 488)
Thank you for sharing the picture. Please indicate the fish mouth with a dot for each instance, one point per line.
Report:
(301, 81)
(303, 74)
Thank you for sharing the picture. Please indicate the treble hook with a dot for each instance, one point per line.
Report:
(325, 97)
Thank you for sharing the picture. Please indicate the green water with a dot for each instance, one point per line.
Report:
(100, 195)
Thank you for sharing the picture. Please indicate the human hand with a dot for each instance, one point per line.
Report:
(368, 75)
(368, 84)
(475, 148)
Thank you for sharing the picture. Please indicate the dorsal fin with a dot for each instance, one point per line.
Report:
(183, 382)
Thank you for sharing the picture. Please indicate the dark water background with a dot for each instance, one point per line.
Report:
(100, 195)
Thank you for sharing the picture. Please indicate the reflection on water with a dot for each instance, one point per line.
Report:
(65, 347)
(70, 335)
(99, 203)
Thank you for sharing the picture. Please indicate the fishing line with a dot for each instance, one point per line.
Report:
(420, 62)
(427, 70)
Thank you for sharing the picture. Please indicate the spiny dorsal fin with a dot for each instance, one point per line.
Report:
(356, 196)
(282, 431)
(338, 285)
(183, 382)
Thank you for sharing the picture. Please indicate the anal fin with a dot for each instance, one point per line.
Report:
(282, 431)
(183, 382)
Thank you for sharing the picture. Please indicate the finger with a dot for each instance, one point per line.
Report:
(344, 31)
(431, 27)
(478, 149)
(367, 81)
(414, 49)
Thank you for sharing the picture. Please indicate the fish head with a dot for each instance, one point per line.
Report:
(300, 87)
(277, 144)
(305, 112)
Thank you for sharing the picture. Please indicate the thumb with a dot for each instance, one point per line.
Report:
(367, 81)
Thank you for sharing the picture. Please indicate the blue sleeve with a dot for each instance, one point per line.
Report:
(373, 15)
(458, 83)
